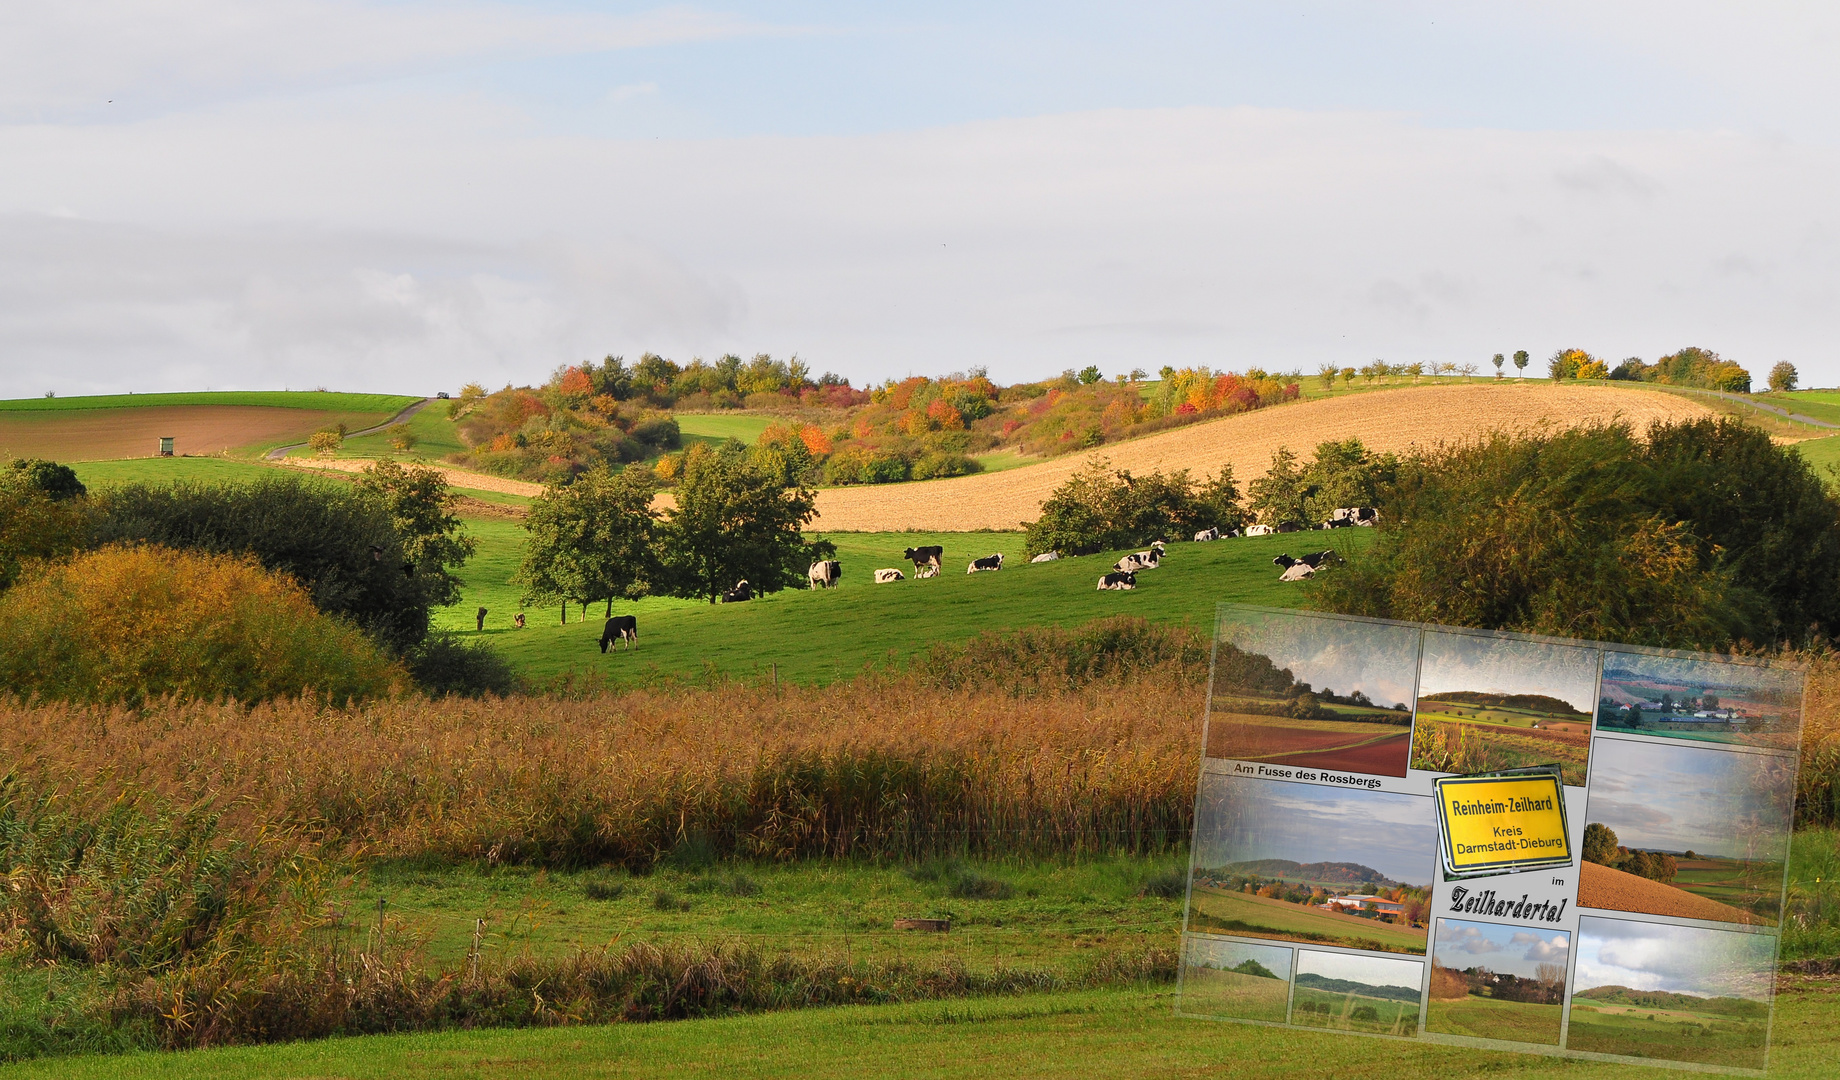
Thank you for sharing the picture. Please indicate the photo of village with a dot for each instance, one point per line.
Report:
(1700, 700)
(1293, 688)
(1275, 860)
(1234, 980)
(1687, 831)
(1497, 982)
(1678, 993)
(1487, 702)
(1375, 994)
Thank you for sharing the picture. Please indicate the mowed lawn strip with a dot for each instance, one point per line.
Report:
(716, 427)
(1114, 1034)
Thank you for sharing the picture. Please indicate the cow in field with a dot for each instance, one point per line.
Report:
(1298, 569)
(1142, 560)
(620, 628)
(924, 556)
(1259, 530)
(1126, 580)
(1347, 516)
(824, 574)
(883, 577)
(742, 591)
(927, 571)
(1291, 527)
(1205, 535)
(989, 562)
(1046, 556)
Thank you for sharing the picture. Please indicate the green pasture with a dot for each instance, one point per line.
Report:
(1004, 460)
(1391, 1016)
(745, 426)
(1668, 1034)
(1486, 1018)
(1819, 404)
(435, 437)
(1751, 886)
(159, 470)
(1823, 454)
(832, 633)
(286, 399)
(1209, 991)
(1502, 715)
(1236, 913)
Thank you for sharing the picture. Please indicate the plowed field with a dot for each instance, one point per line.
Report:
(1601, 887)
(1386, 420)
(108, 434)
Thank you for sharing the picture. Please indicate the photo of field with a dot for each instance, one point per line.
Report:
(1687, 831)
(1487, 703)
(1497, 982)
(1695, 700)
(1297, 862)
(1234, 980)
(1295, 688)
(1374, 994)
(1676, 993)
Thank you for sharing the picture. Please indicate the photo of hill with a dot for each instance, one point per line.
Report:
(1487, 702)
(1696, 700)
(1280, 860)
(1687, 831)
(1294, 688)
(1234, 980)
(1677, 993)
(1379, 995)
(1497, 982)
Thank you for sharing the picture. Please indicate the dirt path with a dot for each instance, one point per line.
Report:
(280, 452)
(459, 478)
(1601, 887)
(1387, 420)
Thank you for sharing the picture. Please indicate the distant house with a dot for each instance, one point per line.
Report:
(1363, 902)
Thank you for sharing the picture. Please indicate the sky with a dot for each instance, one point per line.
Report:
(1343, 655)
(1505, 950)
(1493, 665)
(1677, 959)
(406, 196)
(1692, 798)
(1243, 819)
(1372, 970)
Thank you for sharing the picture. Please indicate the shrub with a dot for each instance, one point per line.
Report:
(124, 624)
(940, 464)
(443, 664)
(35, 525)
(47, 477)
(325, 443)
(1100, 510)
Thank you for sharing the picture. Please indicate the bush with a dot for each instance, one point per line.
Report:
(1100, 510)
(48, 477)
(661, 432)
(443, 664)
(940, 464)
(35, 525)
(124, 624)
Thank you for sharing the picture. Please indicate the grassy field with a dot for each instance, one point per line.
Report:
(1753, 886)
(1471, 744)
(1315, 1007)
(156, 470)
(286, 399)
(1209, 991)
(1486, 1018)
(841, 629)
(1667, 1034)
(1215, 910)
(435, 437)
(715, 427)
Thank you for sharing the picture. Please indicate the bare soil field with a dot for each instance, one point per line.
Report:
(110, 434)
(1601, 887)
(1393, 420)
(460, 478)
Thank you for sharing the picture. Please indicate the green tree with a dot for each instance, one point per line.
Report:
(35, 524)
(1326, 374)
(1599, 844)
(420, 505)
(591, 538)
(1091, 374)
(1345, 473)
(1783, 377)
(1521, 360)
(1281, 496)
(1101, 510)
(48, 477)
(1498, 360)
(735, 522)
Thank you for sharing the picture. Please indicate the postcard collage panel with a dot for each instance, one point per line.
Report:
(1316, 895)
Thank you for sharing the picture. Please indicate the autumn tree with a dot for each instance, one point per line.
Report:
(1783, 377)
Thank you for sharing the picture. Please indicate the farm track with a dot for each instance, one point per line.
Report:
(1394, 420)
(459, 478)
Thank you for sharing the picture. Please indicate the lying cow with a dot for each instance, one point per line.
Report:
(1046, 556)
(1142, 560)
(1126, 580)
(924, 556)
(1205, 535)
(1258, 530)
(824, 574)
(742, 591)
(927, 571)
(1346, 516)
(883, 577)
(1298, 569)
(620, 628)
(989, 562)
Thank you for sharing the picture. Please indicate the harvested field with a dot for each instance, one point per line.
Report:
(109, 434)
(459, 478)
(1601, 887)
(1390, 420)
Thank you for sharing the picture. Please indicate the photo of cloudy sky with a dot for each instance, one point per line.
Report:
(1240, 819)
(1677, 959)
(1506, 950)
(1343, 655)
(1372, 970)
(1720, 803)
(1486, 664)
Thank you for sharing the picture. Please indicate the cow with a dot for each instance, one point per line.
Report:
(924, 556)
(742, 591)
(824, 574)
(1346, 516)
(620, 628)
(1298, 569)
(1205, 535)
(927, 571)
(883, 577)
(1142, 560)
(1291, 527)
(1126, 580)
(1258, 530)
(989, 562)
(1046, 556)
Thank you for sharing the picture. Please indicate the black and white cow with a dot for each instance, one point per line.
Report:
(1126, 580)
(926, 571)
(1046, 556)
(1291, 527)
(1352, 515)
(620, 628)
(883, 577)
(989, 562)
(1259, 530)
(1142, 560)
(924, 556)
(742, 591)
(824, 574)
(1298, 569)
(1205, 535)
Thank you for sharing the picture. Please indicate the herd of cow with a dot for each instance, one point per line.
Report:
(826, 573)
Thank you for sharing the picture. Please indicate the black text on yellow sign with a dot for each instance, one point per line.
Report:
(1493, 824)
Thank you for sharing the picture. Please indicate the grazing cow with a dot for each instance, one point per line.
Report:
(989, 562)
(1046, 556)
(1258, 530)
(824, 574)
(883, 577)
(924, 556)
(1205, 535)
(742, 591)
(620, 628)
(1126, 580)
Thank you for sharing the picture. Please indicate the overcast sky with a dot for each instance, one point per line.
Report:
(1241, 819)
(1678, 959)
(407, 196)
(1692, 798)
